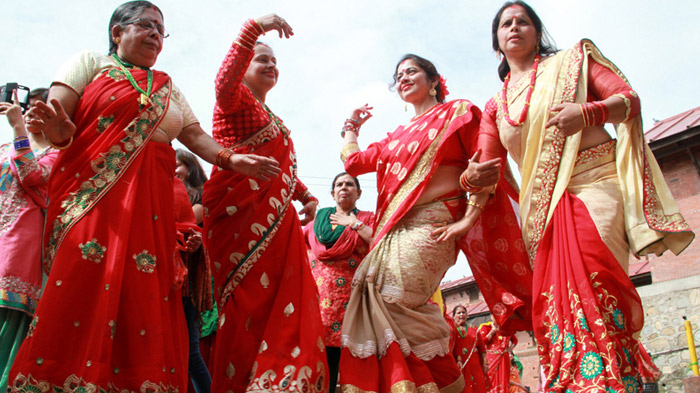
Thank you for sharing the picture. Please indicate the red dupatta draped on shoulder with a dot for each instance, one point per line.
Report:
(110, 242)
(405, 174)
(493, 246)
(106, 105)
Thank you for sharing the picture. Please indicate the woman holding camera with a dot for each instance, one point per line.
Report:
(25, 165)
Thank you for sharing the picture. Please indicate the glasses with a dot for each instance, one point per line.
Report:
(149, 24)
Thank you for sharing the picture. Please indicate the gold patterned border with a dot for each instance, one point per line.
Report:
(553, 146)
(419, 173)
(108, 168)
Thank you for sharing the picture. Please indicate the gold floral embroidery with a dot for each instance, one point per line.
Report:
(104, 122)
(75, 384)
(291, 381)
(552, 148)
(107, 169)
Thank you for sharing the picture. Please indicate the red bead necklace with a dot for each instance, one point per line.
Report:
(526, 106)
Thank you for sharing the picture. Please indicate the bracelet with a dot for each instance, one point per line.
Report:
(222, 157)
(59, 147)
(21, 144)
(260, 26)
(307, 197)
(466, 186)
(357, 225)
(476, 205)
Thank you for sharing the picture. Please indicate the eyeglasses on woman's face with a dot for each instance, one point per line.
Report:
(149, 24)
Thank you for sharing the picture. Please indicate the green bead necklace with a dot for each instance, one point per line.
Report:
(144, 98)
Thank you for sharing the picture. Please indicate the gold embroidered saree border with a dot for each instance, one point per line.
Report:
(420, 172)
(78, 203)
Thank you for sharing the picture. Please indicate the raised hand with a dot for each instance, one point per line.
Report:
(13, 112)
(253, 165)
(52, 120)
(361, 114)
(483, 174)
(275, 22)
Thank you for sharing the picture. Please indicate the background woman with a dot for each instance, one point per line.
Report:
(468, 351)
(392, 338)
(270, 334)
(110, 238)
(586, 200)
(337, 240)
(25, 165)
(190, 171)
(197, 292)
(497, 356)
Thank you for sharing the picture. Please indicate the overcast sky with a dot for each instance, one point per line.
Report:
(344, 53)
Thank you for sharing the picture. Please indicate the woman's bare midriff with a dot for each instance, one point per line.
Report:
(593, 136)
(444, 180)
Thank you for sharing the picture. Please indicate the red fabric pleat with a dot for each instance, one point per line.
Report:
(380, 374)
(586, 309)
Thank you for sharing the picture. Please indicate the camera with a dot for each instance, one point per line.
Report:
(22, 94)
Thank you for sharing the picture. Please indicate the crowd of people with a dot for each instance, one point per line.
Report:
(157, 277)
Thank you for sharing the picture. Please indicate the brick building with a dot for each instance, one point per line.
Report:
(669, 285)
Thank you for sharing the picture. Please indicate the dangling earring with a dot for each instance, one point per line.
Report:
(405, 107)
(432, 92)
(499, 54)
(537, 48)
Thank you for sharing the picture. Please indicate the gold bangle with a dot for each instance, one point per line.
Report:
(260, 26)
(476, 205)
(61, 147)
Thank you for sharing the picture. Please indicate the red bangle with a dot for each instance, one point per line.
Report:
(222, 158)
(466, 186)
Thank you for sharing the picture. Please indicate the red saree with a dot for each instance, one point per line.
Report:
(270, 336)
(110, 300)
(582, 212)
(497, 359)
(393, 339)
(467, 350)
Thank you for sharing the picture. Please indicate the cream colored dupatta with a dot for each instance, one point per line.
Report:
(546, 159)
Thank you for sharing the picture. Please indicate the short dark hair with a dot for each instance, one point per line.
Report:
(195, 175)
(547, 45)
(125, 13)
(39, 92)
(429, 68)
(357, 181)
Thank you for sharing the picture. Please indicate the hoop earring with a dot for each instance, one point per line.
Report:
(432, 92)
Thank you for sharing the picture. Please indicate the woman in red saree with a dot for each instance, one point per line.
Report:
(337, 240)
(110, 318)
(497, 351)
(393, 339)
(270, 336)
(586, 200)
(467, 351)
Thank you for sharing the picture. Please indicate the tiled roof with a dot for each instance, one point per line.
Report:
(674, 125)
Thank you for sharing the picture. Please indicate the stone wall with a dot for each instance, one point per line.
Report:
(663, 335)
